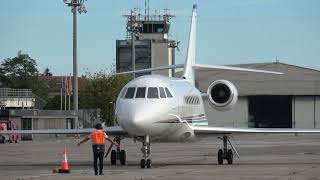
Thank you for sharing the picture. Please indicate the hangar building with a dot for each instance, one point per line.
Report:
(267, 100)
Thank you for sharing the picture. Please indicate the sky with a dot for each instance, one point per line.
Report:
(228, 32)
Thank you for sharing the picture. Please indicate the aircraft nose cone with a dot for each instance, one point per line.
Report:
(134, 119)
(138, 121)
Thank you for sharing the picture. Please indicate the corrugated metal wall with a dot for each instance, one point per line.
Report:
(306, 111)
(48, 123)
(237, 117)
(317, 112)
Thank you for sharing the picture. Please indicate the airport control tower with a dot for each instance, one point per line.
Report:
(152, 47)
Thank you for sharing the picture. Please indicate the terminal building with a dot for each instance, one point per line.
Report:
(25, 109)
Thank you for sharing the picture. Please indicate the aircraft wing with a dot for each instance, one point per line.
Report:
(205, 66)
(114, 130)
(202, 130)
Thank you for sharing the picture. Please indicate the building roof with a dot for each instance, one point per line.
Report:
(56, 82)
(295, 80)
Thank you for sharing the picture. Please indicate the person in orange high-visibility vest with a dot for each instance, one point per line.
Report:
(98, 138)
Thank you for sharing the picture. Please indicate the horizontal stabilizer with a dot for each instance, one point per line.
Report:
(176, 66)
(204, 66)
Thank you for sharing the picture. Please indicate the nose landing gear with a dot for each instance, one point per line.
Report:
(146, 162)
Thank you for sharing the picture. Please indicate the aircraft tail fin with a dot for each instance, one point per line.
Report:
(188, 73)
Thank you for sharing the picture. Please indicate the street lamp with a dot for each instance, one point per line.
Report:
(76, 5)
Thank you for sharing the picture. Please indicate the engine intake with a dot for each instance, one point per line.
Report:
(222, 95)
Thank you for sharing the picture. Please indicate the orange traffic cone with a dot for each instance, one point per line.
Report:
(64, 166)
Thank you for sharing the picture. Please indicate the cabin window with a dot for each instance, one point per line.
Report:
(141, 92)
(162, 93)
(153, 92)
(130, 93)
(192, 100)
(169, 95)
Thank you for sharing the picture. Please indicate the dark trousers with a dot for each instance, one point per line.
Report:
(98, 153)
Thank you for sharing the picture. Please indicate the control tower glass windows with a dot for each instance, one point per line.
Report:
(153, 92)
(169, 95)
(130, 93)
(141, 92)
(154, 27)
(158, 28)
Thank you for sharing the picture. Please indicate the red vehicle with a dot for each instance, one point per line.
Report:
(8, 125)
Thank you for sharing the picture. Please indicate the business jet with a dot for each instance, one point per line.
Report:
(155, 108)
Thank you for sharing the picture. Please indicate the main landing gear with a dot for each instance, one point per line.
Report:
(146, 161)
(117, 154)
(226, 153)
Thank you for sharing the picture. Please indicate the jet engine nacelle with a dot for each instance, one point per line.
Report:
(222, 95)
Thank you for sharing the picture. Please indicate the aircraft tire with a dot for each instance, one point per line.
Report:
(143, 163)
(123, 157)
(230, 156)
(113, 157)
(149, 163)
(220, 156)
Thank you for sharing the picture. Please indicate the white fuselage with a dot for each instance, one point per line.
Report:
(162, 116)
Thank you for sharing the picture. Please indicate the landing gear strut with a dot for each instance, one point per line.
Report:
(117, 154)
(146, 162)
(226, 153)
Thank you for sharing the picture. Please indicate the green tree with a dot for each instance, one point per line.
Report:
(54, 103)
(21, 72)
(47, 72)
(100, 90)
(21, 66)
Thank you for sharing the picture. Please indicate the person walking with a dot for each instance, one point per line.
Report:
(98, 138)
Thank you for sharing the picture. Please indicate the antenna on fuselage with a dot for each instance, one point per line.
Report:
(188, 73)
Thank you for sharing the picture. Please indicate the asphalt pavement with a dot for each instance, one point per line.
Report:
(284, 156)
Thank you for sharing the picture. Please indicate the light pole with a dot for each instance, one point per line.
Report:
(76, 5)
(134, 34)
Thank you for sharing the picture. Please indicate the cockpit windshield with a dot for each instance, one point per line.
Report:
(130, 93)
(141, 92)
(162, 93)
(123, 92)
(169, 95)
(153, 92)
